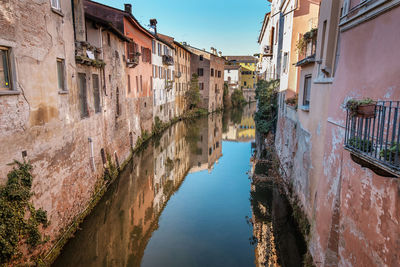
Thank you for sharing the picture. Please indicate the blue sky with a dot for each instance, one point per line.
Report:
(231, 26)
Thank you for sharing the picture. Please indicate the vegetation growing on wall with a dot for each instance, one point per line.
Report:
(193, 94)
(267, 114)
(227, 103)
(16, 227)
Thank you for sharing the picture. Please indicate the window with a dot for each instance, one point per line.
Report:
(129, 83)
(159, 49)
(108, 39)
(5, 69)
(141, 84)
(61, 75)
(137, 84)
(307, 90)
(96, 92)
(212, 72)
(201, 86)
(153, 46)
(117, 107)
(285, 62)
(132, 49)
(219, 74)
(83, 95)
(245, 83)
(201, 58)
(56, 4)
(200, 72)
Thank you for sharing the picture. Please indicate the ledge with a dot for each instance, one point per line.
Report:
(58, 12)
(305, 108)
(323, 80)
(63, 92)
(10, 92)
(372, 164)
(305, 61)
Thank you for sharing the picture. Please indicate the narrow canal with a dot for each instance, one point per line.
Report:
(184, 200)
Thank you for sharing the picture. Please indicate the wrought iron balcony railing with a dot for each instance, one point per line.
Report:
(374, 141)
(168, 60)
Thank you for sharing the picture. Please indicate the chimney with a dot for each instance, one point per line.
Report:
(153, 24)
(184, 43)
(128, 8)
(220, 54)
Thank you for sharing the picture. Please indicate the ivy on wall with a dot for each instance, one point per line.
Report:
(15, 226)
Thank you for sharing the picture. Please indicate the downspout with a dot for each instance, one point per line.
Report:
(91, 154)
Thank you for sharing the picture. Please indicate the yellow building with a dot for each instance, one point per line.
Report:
(248, 64)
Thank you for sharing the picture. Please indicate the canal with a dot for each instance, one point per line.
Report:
(184, 200)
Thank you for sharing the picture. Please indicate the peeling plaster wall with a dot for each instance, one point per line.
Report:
(47, 124)
(354, 213)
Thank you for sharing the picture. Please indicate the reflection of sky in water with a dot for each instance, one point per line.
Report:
(181, 202)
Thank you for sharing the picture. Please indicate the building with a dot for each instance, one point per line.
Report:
(182, 76)
(209, 67)
(348, 191)
(232, 77)
(137, 59)
(163, 77)
(248, 67)
(63, 104)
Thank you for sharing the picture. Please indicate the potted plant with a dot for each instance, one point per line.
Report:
(390, 153)
(364, 108)
(361, 144)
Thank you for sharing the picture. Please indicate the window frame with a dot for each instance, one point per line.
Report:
(64, 88)
(58, 7)
(8, 66)
(96, 93)
(306, 92)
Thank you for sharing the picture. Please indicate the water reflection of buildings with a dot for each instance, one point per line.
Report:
(244, 129)
(119, 228)
(206, 143)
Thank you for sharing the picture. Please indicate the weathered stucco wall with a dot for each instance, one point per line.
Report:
(47, 124)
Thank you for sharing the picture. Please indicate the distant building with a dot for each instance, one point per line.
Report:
(182, 76)
(248, 70)
(163, 78)
(232, 77)
(210, 69)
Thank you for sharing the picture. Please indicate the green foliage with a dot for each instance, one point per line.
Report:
(267, 113)
(193, 94)
(225, 96)
(158, 124)
(307, 37)
(353, 104)
(361, 144)
(15, 226)
(390, 153)
(237, 98)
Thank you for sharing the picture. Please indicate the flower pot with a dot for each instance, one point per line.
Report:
(366, 110)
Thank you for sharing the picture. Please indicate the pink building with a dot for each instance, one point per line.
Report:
(340, 165)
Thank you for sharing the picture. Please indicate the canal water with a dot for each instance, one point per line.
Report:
(184, 200)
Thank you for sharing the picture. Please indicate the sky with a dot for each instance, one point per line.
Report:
(230, 26)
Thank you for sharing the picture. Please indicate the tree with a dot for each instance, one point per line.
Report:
(237, 98)
(227, 102)
(267, 113)
(193, 94)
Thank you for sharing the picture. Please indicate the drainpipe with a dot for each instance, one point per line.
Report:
(91, 154)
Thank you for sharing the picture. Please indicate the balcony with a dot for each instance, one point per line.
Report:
(168, 60)
(374, 139)
(86, 54)
(133, 60)
(306, 48)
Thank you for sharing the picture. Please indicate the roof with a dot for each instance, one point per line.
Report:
(108, 26)
(165, 39)
(264, 26)
(204, 51)
(241, 58)
(109, 13)
(182, 46)
(232, 67)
